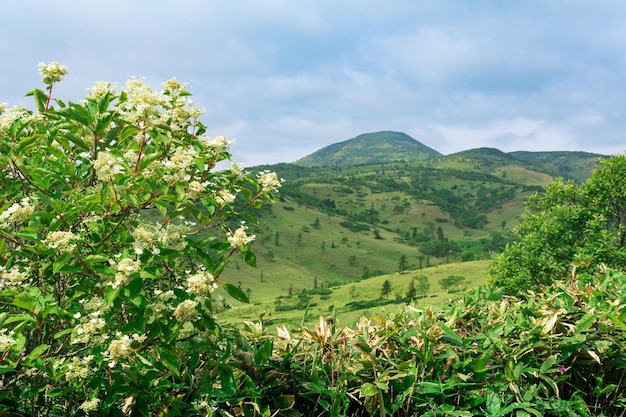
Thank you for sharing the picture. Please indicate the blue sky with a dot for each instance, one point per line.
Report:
(285, 78)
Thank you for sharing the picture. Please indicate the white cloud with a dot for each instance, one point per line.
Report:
(287, 78)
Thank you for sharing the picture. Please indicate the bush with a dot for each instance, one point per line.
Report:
(114, 229)
(550, 354)
(567, 225)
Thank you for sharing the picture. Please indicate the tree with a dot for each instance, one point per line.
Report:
(386, 289)
(411, 293)
(403, 264)
(423, 285)
(568, 225)
(115, 227)
(448, 283)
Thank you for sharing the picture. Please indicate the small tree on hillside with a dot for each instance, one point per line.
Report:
(386, 289)
(411, 293)
(448, 283)
(403, 265)
(423, 285)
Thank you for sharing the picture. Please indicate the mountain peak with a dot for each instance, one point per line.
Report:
(369, 149)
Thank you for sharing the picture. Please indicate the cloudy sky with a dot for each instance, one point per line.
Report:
(288, 77)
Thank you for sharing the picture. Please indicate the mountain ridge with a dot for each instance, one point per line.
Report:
(368, 149)
(385, 147)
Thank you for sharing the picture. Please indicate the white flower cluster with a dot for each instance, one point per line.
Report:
(201, 283)
(18, 213)
(123, 347)
(269, 181)
(63, 241)
(125, 268)
(6, 340)
(195, 189)
(91, 328)
(141, 95)
(146, 235)
(90, 405)
(186, 311)
(182, 107)
(53, 71)
(225, 197)
(179, 164)
(100, 88)
(163, 305)
(149, 236)
(173, 236)
(143, 104)
(107, 166)
(8, 116)
(218, 144)
(79, 368)
(239, 237)
(13, 278)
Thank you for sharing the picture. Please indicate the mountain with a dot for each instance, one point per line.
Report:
(574, 165)
(369, 149)
(350, 211)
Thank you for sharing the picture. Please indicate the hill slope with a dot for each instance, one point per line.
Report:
(379, 198)
(575, 165)
(369, 149)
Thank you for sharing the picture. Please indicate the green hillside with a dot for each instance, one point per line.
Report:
(370, 148)
(342, 224)
(575, 165)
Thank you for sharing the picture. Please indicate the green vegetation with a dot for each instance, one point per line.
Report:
(114, 231)
(581, 225)
(115, 299)
(554, 353)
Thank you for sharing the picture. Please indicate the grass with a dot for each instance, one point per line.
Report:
(367, 290)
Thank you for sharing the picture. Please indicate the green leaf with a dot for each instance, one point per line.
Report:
(62, 333)
(619, 323)
(548, 364)
(264, 352)
(40, 97)
(229, 386)
(431, 388)
(450, 336)
(493, 404)
(110, 294)
(133, 288)
(248, 257)
(586, 322)
(60, 262)
(15, 318)
(25, 301)
(6, 369)
(236, 293)
(144, 360)
(169, 359)
(28, 235)
(37, 352)
(368, 389)
(480, 365)
(97, 258)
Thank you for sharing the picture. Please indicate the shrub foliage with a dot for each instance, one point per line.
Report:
(584, 225)
(114, 228)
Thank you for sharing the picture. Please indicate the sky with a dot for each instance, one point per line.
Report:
(285, 78)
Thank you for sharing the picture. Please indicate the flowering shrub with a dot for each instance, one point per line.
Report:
(115, 225)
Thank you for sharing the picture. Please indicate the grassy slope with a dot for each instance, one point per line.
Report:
(294, 256)
(364, 290)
